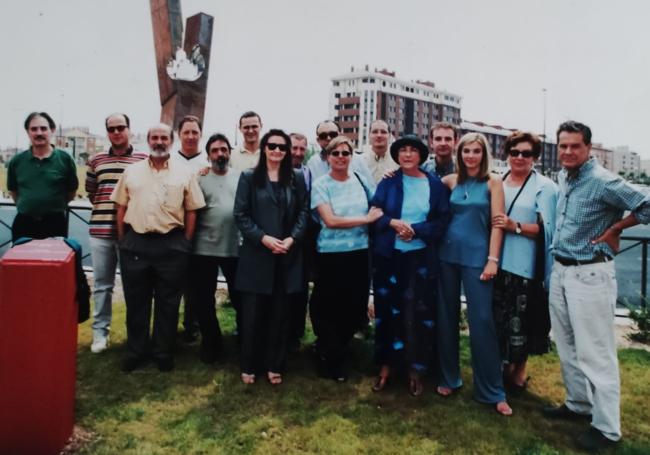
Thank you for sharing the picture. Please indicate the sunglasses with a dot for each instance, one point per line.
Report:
(282, 147)
(331, 135)
(119, 128)
(338, 153)
(525, 153)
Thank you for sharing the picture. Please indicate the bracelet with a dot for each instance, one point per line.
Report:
(493, 259)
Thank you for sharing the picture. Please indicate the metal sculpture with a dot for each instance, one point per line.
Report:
(182, 65)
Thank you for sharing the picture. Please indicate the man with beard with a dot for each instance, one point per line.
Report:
(41, 181)
(250, 125)
(157, 201)
(104, 170)
(216, 245)
(378, 161)
(443, 137)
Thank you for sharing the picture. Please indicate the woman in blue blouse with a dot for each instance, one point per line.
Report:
(415, 206)
(340, 298)
(520, 303)
(469, 254)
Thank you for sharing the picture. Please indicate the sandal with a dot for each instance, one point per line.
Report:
(518, 388)
(380, 383)
(274, 378)
(444, 391)
(248, 379)
(503, 408)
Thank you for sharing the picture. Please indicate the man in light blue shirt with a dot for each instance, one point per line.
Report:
(583, 292)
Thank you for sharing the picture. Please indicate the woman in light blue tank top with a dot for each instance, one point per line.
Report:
(469, 254)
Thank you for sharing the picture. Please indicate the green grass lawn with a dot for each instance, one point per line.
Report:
(200, 409)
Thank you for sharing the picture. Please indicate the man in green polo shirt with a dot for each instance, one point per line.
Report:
(41, 180)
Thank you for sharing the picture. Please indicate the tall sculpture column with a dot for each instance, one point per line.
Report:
(182, 65)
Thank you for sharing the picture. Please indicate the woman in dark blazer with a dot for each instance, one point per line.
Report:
(271, 207)
(415, 208)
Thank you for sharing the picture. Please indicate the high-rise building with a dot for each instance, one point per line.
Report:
(410, 107)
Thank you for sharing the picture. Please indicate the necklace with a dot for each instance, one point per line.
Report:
(467, 190)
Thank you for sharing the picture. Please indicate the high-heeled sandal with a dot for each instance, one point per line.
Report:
(248, 379)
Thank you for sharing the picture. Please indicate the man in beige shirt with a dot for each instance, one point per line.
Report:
(378, 161)
(156, 215)
(246, 157)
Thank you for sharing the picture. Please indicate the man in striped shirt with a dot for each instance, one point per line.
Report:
(104, 170)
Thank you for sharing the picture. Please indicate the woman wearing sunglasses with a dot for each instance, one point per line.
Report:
(469, 254)
(520, 302)
(416, 210)
(271, 209)
(339, 301)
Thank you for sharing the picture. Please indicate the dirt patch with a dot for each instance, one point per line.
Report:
(79, 439)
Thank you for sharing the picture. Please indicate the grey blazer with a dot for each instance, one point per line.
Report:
(257, 213)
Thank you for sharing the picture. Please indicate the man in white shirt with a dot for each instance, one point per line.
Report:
(246, 157)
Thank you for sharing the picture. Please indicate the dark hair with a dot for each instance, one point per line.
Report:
(217, 137)
(249, 114)
(45, 115)
(444, 126)
(338, 127)
(286, 169)
(126, 119)
(575, 127)
(521, 136)
(190, 118)
(381, 120)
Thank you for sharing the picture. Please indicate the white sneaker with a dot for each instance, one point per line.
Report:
(99, 345)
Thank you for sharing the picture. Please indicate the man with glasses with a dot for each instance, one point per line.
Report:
(582, 296)
(378, 161)
(250, 125)
(443, 137)
(156, 216)
(41, 181)
(104, 170)
(318, 165)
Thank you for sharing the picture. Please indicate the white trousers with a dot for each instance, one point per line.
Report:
(582, 302)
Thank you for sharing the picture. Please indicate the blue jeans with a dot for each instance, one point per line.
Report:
(104, 254)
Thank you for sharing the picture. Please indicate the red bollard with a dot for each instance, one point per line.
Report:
(38, 346)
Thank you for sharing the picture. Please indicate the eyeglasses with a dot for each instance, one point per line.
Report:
(330, 135)
(119, 128)
(524, 153)
(338, 153)
(282, 147)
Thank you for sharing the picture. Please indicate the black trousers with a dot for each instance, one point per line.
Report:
(157, 273)
(203, 285)
(48, 225)
(339, 302)
(264, 329)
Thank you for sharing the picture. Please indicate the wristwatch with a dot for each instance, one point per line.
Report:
(518, 228)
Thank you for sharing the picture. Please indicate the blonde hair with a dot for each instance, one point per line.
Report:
(486, 156)
(338, 140)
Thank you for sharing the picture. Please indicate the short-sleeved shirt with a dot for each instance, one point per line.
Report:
(42, 185)
(104, 171)
(347, 199)
(216, 232)
(195, 162)
(378, 166)
(156, 200)
(415, 208)
(241, 159)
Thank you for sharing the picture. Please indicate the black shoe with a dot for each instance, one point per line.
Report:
(593, 440)
(132, 363)
(562, 412)
(165, 364)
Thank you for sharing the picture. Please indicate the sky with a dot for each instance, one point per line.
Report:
(80, 60)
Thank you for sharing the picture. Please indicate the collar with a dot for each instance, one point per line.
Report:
(585, 168)
(184, 156)
(165, 165)
(32, 156)
(244, 150)
(129, 150)
(380, 158)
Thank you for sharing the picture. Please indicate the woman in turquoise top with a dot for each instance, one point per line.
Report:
(469, 253)
(520, 301)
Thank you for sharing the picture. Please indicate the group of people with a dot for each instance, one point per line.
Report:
(528, 254)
